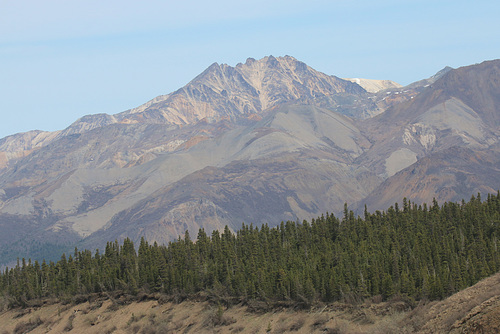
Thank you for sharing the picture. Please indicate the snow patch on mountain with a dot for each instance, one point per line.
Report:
(374, 86)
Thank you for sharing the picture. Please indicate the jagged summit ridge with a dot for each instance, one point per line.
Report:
(223, 91)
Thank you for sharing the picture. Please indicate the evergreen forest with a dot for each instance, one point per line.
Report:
(418, 251)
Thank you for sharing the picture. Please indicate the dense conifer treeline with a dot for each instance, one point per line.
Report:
(416, 251)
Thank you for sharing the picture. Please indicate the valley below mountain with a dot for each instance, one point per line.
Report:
(266, 141)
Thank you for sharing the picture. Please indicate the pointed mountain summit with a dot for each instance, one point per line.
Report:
(431, 80)
(225, 92)
(219, 93)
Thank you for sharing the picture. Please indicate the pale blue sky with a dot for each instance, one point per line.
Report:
(60, 60)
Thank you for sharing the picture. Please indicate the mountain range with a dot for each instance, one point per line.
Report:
(265, 141)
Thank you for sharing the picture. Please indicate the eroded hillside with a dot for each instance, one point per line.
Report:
(473, 310)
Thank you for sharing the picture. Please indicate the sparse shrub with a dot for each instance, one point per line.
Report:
(191, 324)
(163, 299)
(218, 318)
(95, 305)
(80, 299)
(340, 327)
(149, 329)
(4, 303)
(35, 303)
(320, 320)
(113, 307)
(280, 328)
(269, 328)
(452, 318)
(364, 317)
(22, 313)
(135, 329)
(377, 299)
(91, 320)
(152, 318)
(219, 313)
(226, 320)
(69, 324)
(391, 324)
(257, 306)
(419, 315)
(47, 323)
(66, 300)
(110, 330)
(25, 327)
(239, 329)
(298, 324)
(134, 318)
(143, 296)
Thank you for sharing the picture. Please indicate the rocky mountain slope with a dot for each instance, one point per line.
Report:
(264, 141)
(444, 142)
(225, 92)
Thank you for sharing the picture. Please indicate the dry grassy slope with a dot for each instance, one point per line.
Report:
(105, 316)
(473, 310)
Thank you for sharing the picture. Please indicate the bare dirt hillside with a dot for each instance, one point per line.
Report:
(473, 310)
(153, 316)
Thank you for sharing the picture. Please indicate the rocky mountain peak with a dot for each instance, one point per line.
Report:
(477, 86)
(249, 61)
(226, 92)
(442, 72)
(429, 81)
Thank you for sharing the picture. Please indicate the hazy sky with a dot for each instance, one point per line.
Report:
(60, 60)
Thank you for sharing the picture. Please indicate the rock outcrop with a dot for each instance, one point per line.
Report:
(225, 92)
